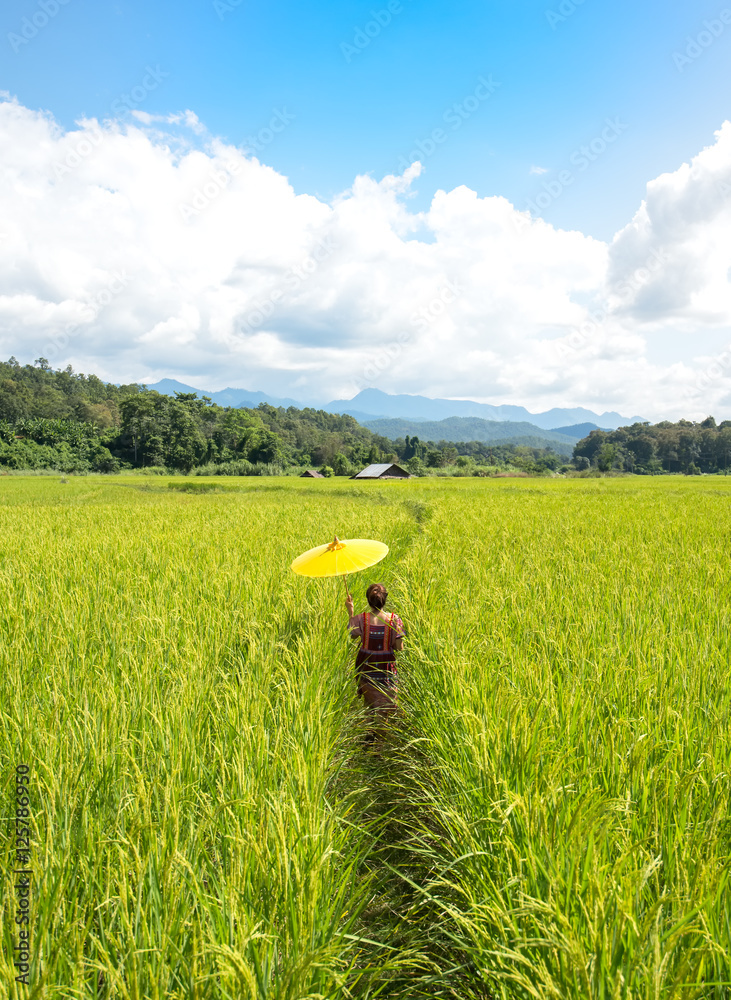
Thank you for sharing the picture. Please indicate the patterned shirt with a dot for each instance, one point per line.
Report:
(376, 638)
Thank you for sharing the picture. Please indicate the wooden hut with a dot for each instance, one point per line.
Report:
(311, 474)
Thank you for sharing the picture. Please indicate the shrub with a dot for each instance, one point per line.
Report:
(150, 470)
(236, 467)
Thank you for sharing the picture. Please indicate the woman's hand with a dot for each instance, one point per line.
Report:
(349, 605)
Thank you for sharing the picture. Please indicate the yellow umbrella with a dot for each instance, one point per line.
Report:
(340, 557)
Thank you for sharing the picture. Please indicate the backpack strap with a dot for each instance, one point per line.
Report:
(366, 630)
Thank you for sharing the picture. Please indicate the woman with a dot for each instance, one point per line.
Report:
(381, 635)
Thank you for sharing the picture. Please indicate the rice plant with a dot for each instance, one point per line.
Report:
(570, 650)
(550, 819)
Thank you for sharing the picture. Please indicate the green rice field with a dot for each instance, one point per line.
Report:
(548, 818)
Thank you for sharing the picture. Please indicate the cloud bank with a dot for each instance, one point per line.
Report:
(147, 248)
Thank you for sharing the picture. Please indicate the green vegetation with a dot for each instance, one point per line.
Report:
(76, 423)
(68, 422)
(550, 819)
(460, 429)
(64, 421)
(685, 447)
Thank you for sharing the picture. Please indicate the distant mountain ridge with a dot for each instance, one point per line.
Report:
(380, 404)
(373, 404)
(578, 431)
(473, 429)
(224, 397)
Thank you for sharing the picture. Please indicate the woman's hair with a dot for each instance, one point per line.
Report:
(376, 596)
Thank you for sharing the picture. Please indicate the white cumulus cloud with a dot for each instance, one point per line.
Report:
(137, 253)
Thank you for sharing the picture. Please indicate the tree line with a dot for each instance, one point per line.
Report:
(71, 422)
(67, 421)
(649, 449)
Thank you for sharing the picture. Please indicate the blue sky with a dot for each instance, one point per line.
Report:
(361, 110)
(225, 169)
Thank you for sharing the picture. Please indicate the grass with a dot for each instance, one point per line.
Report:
(550, 820)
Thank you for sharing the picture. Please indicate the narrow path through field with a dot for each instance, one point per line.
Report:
(410, 953)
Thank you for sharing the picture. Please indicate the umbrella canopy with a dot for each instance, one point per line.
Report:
(340, 557)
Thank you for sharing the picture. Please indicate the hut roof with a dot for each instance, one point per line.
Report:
(311, 474)
(384, 470)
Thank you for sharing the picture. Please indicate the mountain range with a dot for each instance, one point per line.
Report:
(373, 403)
(435, 419)
(224, 397)
(477, 429)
